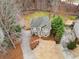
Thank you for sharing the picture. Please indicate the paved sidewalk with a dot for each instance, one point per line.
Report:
(27, 52)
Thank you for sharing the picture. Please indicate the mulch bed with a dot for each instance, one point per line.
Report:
(13, 53)
(34, 42)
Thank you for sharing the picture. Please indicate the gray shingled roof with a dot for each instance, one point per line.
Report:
(40, 22)
(42, 26)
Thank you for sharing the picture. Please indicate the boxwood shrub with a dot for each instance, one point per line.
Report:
(71, 45)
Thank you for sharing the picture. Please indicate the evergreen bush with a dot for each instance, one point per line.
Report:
(57, 27)
(71, 45)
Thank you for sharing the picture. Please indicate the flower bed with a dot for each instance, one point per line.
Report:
(34, 42)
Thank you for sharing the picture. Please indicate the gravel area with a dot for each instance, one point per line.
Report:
(47, 49)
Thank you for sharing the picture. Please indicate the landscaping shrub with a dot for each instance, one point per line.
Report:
(57, 27)
(71, 45)
(18, 28)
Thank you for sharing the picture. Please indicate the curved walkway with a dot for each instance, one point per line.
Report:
(27, 52)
